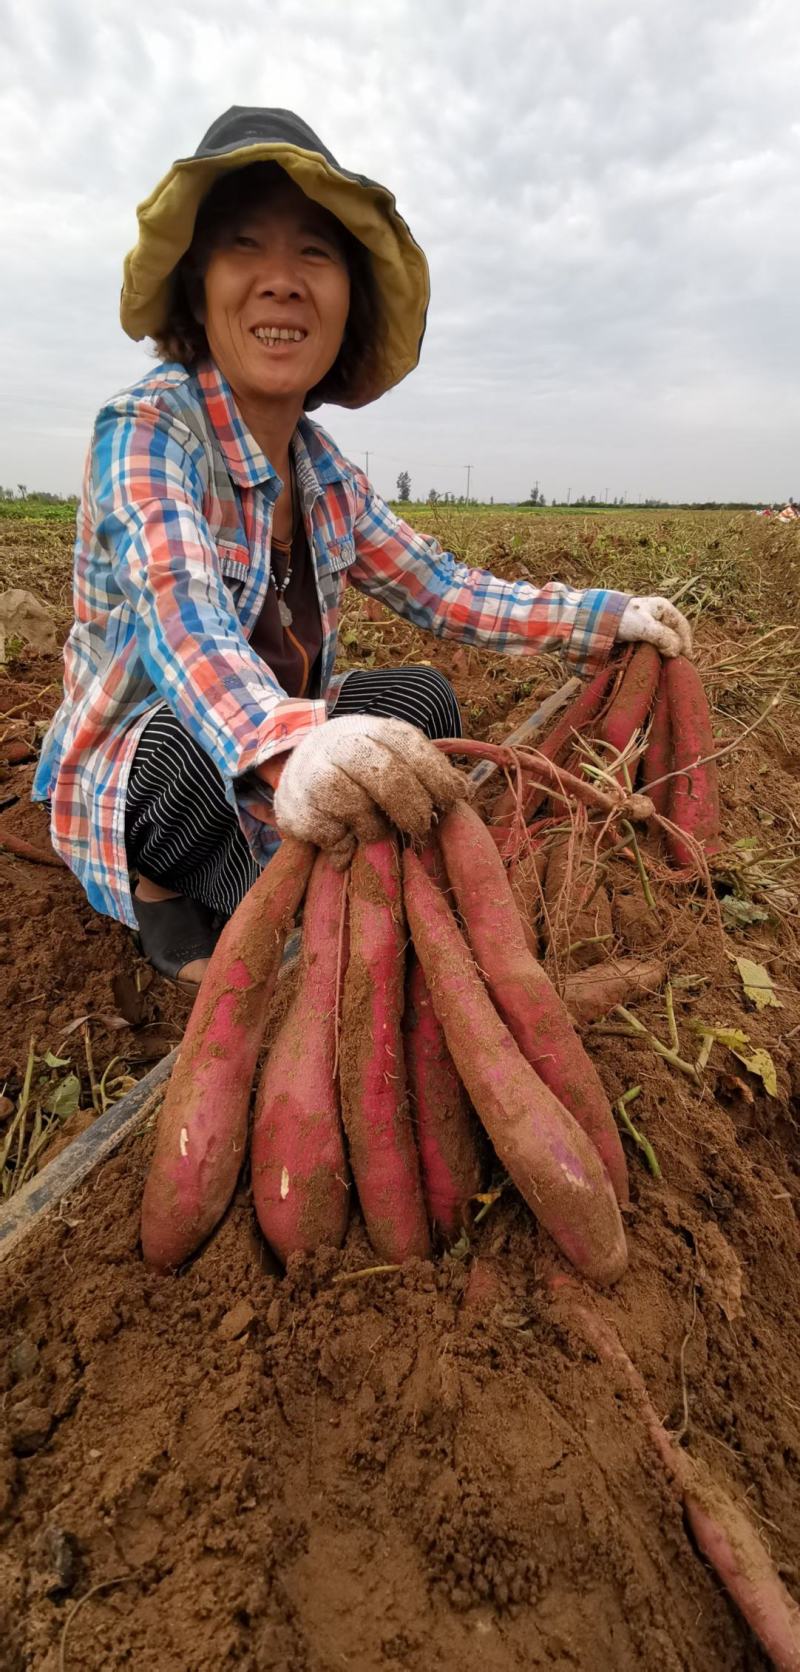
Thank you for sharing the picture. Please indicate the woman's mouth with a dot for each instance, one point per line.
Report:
(278, 336)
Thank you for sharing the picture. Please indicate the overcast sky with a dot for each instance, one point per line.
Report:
(608, 195)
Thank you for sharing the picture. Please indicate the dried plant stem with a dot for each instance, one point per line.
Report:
(635, 1027)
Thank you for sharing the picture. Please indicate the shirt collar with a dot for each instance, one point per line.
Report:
(316, 460)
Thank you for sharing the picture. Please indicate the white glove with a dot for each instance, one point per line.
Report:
(656, 621)
(338, 784)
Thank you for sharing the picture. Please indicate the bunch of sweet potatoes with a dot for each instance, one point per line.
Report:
(419, 1005)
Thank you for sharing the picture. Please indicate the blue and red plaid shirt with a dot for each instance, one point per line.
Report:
(172, 565)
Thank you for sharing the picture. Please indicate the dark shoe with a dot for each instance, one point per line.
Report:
(173, 933)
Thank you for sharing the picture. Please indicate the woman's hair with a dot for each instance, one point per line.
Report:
(183, 338)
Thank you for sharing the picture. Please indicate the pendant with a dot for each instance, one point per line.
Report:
(285, 613)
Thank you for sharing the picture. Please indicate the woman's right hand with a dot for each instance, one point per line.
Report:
(352, 776)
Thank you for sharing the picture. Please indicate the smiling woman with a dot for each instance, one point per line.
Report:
(202, 716)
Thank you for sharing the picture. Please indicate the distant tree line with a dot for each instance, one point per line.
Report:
(38, 494)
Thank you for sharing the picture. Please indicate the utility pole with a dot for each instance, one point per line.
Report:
(366, 456)
(569, 491)
(468, 469)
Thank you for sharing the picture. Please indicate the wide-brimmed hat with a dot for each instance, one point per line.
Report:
(248, 135)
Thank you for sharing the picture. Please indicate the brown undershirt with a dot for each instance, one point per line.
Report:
(293, 652)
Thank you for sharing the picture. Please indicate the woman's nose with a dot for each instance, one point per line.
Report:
(279, 278)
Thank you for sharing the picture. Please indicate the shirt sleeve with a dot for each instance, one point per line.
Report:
(148, 480)
(413, 576)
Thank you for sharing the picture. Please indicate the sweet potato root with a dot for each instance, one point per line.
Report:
(526, 876)
(721, 1529)
(524, 995)
(591, 993)
(375, 1108)
(578, 909)
(554, 1165)
(300, 1174)
(203, 1123)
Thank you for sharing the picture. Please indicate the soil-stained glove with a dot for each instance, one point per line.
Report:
(656, 621)
(345, 780)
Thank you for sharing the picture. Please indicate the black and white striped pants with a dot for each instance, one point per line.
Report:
(182, 833)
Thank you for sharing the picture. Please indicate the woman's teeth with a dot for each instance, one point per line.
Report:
(277, 334)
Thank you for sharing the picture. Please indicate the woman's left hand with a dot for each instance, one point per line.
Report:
(656, 621)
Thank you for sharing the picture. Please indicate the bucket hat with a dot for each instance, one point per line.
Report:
(246, 135)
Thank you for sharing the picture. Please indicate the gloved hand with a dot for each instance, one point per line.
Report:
(345, 780)
(656, 621)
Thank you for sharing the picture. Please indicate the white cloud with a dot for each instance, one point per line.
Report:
(608, 195)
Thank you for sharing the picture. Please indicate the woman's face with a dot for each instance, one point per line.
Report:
(277, 295)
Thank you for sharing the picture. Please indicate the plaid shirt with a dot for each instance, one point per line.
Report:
(172, 565)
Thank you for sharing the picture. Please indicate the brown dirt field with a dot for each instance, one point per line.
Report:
(422, 1470)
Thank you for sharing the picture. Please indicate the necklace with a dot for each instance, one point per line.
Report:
(285, 546)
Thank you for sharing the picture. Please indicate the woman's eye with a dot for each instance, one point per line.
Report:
(317, 249)
(243, 241)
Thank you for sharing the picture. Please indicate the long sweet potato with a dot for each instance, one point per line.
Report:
(576, 718)
(721, 1529)
(299, 1170)
(203, 1123)
(554, 1165)
(526, 875)
(657, 762)
(694, 791)
(523, 993)
(449, 1151)
(372, 1070)
(633, 701)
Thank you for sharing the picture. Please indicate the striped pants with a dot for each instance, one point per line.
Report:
(182, 833)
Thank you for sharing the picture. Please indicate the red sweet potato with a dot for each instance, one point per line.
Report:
(553, 1163)
(449, 1147)
(203, 1123)
(448, 1137)
(720, 1527)
(375, 1108)
(526, 876)
(694, 791)
(657, 762)
(300, 1174)
(524, 995)
(633, 701)
(585, 707)
(591, 993)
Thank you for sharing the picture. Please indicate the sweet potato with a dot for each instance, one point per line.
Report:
(203, 1123)
(526, 875)
(591, 993)
(372, 1071)
(300, 1174)
(657, 762)
(578, 909)
(554, 1165)
(633, 701)
(447, 1138)
(720, 1527)
(523, 993)
(576, 718)
(694, 791)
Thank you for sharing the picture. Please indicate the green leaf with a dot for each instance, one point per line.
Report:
(55, 1062)
(757, 984)
(66, 1097)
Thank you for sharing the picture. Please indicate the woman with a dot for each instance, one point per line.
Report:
(202, 717)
